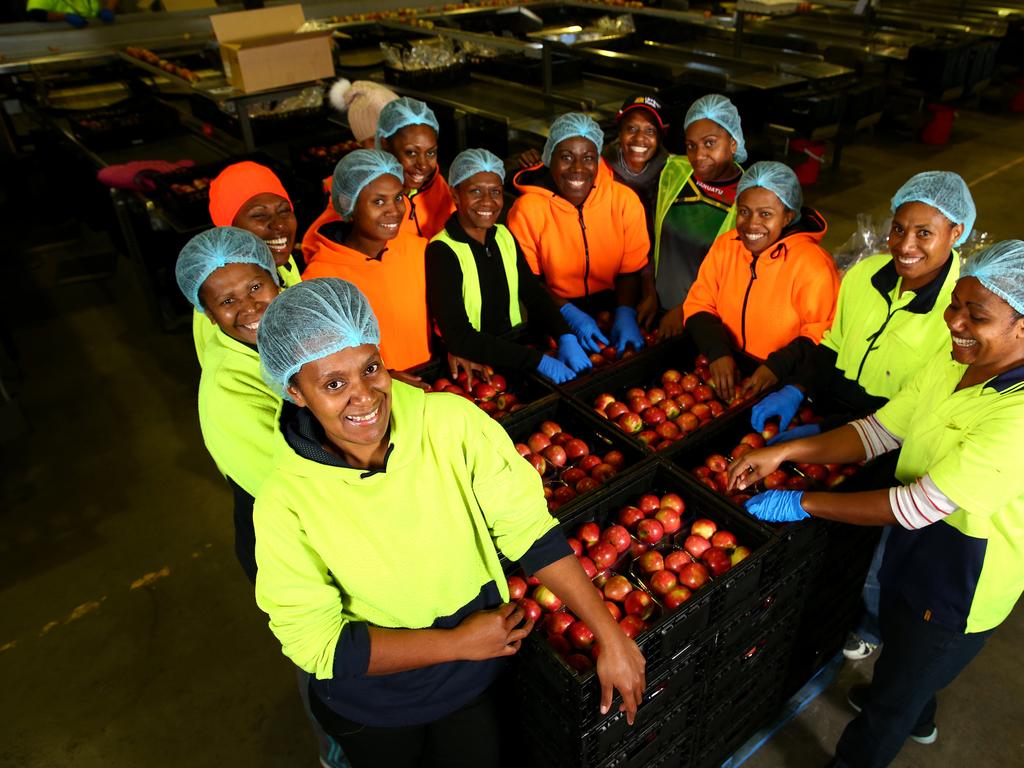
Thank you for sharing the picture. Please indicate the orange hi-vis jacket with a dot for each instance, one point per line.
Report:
(789, 291)
(579, 251)
(395, 285)
(426, 213)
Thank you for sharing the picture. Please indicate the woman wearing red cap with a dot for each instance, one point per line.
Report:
(250, 196)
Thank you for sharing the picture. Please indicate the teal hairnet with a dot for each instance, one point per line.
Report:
(777, 178)
(354, 171)
(945, 191)
(569, 126)
(719, 109)
(470, 162)
(1000, 268)
(309, 321)
(210, 250)
(403, 112)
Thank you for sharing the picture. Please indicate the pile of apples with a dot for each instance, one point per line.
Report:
(490, 397)
(661, 415)
(565, 462)
(637, 572)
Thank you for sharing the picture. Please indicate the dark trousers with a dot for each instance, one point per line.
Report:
(245, 534)
(918, 659)
(467, 738)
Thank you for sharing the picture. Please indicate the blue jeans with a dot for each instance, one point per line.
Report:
(918, 659)
(868, 629)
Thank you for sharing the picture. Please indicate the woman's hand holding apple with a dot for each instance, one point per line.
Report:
(490, 634)
(753, 466)
(472, 369)
(724, 375)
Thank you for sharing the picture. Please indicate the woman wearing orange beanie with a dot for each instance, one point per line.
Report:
(250, 196)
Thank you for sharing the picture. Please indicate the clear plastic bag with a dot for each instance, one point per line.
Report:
(974, 243)
(869, 239)
(431, 53)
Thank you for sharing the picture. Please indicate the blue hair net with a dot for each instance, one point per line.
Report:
(354, 171)
(470, 162)
(719, 110)
(318, 318)
(945, 191)
(400, 113)
(777, 178)
(568, 126)
(1000, 268)
(210, 250)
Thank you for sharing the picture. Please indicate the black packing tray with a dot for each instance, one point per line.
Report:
(122, 124)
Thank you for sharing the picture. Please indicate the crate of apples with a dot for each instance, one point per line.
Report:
(500, 397)
(568, 465)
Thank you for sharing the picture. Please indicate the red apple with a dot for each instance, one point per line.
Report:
(603, 473)
(563, 494)
(676, 597)
(673, 389)
(523, 449)
(603, 555)
(669, 519)
(677, 559)
(589, 533)
(498, 382)
(617, 536)
(653, 416)
(580, 636)
(650, 531)
(702, 361)
(615, 410)
(639, 603)
(689, 382)
(558, 644)
(603, 400)
(723, 539)
(671, 408)
(662, 582)
(739, 554)
(555, 454)
(630, 516)
(637, 548)
(703, 527)
(656, 395)
(572, 475)
(546, 599)
(740, 451)
(586, 485)
(672, 501)
(696, 545)
(539, 463)
(635, 392)
(575, 545)
(716, 462)
(771, 429)
(516, 588)
(687, 421)
(671, 376)
(613, 609)
(648, 504)
(693, 576)
(538, 441)
(753, 439)
(549, 428)
(630, 423)
(588, 462)
(615, 458)
(648, 562)
(576, 449)
(776, 479)
(632, 625)
(484, 391)
(588, 567)
(717, 561)
(702, 411)
(531, 611)
(616, 588)
(557, 623)
(648, 437)
(717, 409)
(686, 401)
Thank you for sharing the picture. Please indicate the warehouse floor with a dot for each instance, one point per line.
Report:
(129, 635)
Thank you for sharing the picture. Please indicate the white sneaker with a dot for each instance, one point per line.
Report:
(857, 648)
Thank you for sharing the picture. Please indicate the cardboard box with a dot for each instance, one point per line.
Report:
(263, 49)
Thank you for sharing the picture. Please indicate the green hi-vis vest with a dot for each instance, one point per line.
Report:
(471, 278)
(674, 176)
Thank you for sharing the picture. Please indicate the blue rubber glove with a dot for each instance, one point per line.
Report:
(585, 328)
(554, 370)
(106, 16)
(625, 330)
(777, 506)
(571, 353)
(783, 404)
(75, 20)
(807, 430)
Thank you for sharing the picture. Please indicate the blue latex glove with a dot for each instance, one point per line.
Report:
(554, 370)
(571, 353)
(75, 20)
(585, 328)
(783, 404)
(777, 506)
(106, 16)
(625, 330)
(807, 430)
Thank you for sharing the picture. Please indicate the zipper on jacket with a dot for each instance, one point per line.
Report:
(586, 254)
(412, 216)
(871, 342)
(746, 298)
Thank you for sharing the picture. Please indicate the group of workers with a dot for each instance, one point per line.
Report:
(370, 515)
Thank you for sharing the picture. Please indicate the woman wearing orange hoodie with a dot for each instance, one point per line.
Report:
(766, 288)
(366, 247)
(583, 232)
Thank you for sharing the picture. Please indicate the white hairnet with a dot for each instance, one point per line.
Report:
(720, 110)
(1000, 268)
(317, 318)
(354, 171)
(942, 190)
(777, 178)
(397, 114)
(470, 162)
(569, 126)
(210, 250)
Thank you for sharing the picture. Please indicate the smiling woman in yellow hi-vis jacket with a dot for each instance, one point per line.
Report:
(377, 538)
(952, 570)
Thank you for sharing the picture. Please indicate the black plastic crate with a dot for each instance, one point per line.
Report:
(600, 743)
(129, 123)
(739, 720)
(674, 631)
(599, 437)
(531, 391)
(645, 370)
(314, 158)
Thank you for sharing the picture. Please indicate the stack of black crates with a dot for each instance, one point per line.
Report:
(722, 665)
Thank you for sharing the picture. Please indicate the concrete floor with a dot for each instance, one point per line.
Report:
(130, 637)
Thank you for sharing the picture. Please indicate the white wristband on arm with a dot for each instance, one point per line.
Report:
(920, 504)
(875, 438)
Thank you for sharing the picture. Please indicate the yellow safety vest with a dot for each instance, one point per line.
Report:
(471, 278)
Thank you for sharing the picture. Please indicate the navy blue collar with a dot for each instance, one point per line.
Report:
(1007, 379)
(305, 435)
(885, 279)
